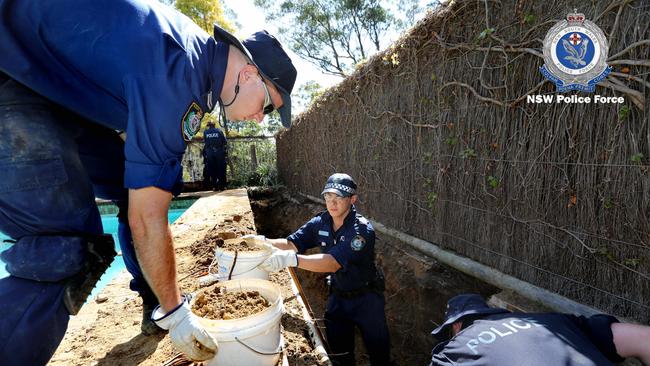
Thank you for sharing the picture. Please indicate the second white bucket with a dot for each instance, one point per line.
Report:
(245, 266)
(252, 340)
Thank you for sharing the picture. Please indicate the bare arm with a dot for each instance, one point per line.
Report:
(283, 244)
(318, 263)
(632, 340)
(153, 242)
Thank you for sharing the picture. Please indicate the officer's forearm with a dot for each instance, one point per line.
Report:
(153, 242)
(318, 263)
(283, 244)
(632, 340)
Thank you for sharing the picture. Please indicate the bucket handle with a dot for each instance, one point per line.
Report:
(279, 348)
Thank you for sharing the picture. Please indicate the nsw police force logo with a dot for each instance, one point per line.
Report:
(575, 54)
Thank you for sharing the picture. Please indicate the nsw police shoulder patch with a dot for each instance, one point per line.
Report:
(357, 243)
(191, 122)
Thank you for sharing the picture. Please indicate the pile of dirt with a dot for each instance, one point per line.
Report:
(108, 332)
(215, 302)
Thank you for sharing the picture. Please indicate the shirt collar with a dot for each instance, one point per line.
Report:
(216, 73)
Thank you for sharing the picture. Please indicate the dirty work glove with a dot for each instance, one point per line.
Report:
(258, 241)
(280, 259)
(185, 331)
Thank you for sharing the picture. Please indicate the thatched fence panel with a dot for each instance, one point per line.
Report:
(445, 146)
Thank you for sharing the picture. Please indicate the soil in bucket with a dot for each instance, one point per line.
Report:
(236, 245)
(215, 302)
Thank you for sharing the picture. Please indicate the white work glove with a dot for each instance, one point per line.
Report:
(185, 331)
(280, 259)
(258, 241)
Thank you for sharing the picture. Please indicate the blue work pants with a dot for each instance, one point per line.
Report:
(53, 163)
(365, 312)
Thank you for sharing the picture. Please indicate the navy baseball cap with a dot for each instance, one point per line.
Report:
(341, 184)
(461, 306)
(267, 54)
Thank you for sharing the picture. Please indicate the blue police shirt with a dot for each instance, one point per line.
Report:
(515, 339)
(215, 141)
(352, 245)
(131, 65)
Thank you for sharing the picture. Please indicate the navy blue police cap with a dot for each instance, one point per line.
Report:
(341, 184)
(273, 63)
(461, 306)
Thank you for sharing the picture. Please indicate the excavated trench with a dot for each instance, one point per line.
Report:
(417, 286)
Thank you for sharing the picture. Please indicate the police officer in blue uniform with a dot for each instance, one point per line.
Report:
(474, 334)
(99, 99)
(347, 243)
(214, 155)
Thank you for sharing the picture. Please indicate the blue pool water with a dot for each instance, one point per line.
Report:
(110, 227)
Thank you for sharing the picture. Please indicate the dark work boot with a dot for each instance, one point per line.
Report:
(148, 327)
(149, 303)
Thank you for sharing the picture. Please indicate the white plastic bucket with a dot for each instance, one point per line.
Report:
(244, 267)
(252, 340)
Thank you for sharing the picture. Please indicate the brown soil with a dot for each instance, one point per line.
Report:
(237, 245)
(215, 302)
(108, 333)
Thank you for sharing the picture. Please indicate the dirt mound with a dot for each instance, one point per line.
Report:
(215, 302)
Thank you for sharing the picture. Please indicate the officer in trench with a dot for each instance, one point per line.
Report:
(214, 156)
(347, 243)
(72, 74)
(475, 334)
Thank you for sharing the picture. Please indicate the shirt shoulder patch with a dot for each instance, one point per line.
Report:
(323, 233)
(191, 122)
(358, 243)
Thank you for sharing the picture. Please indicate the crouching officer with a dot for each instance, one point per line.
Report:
(347, 242)
(475, 334)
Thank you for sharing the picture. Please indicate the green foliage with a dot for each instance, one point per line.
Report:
(205, 13)
(242, 172)
(451, 141)
(432, 197)
(468, 154)
(306, 94)
(486, 32)
(607, 203)
(493, 182)
(632, 262)
(623, 113)
(529, 18)
(336, 35)
(637, 158)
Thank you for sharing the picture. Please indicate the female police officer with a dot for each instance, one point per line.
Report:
(347, 242)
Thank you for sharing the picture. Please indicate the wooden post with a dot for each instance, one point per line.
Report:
(253, 157)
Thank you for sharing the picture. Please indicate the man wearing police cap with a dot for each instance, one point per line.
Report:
(100, 99)
(347, 243)
(474, 334)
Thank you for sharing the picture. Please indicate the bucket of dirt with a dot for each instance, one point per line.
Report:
(237, 260)
(244, 317)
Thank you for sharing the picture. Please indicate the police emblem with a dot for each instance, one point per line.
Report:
(358, 243)
(191, 122)
(575, 54)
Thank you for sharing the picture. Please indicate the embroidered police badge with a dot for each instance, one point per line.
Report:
(575, 54)
(358, 243)
(191, 122)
